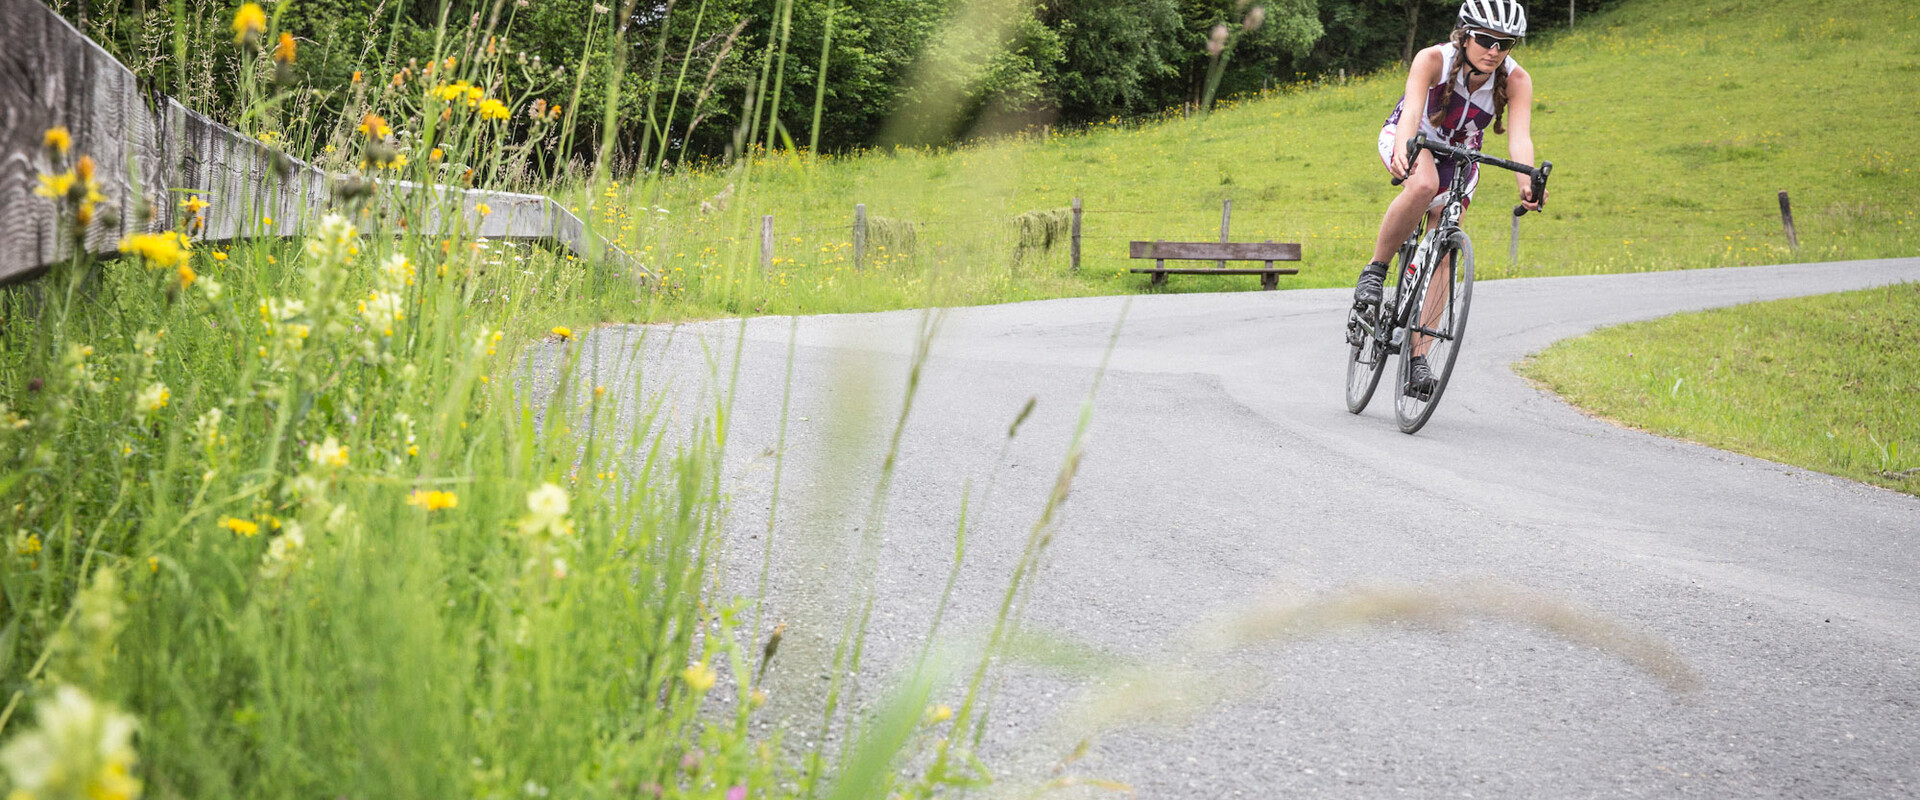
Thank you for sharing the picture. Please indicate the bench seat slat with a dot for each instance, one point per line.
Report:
(1216, 251)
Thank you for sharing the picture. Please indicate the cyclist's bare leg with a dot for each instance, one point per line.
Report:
(1433, 307)
(1416, 193)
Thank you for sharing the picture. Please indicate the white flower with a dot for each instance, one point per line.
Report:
(82, 748)
(396, 271)
(382, 309)
(208, 427)
(210, 286)
(559, 569)
(328, 453)
(548, 503)
(283, 553)
(332, 239)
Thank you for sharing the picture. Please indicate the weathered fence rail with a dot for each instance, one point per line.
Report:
(152, 153)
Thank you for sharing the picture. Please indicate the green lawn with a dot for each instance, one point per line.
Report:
(1826, 383)
(1672, 127)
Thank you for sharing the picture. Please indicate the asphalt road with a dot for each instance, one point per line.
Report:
(1222, 476)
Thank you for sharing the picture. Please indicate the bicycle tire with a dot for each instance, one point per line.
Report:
(1412, 412)
(1367, 361)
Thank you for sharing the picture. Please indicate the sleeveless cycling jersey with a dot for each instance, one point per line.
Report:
(1469, 113)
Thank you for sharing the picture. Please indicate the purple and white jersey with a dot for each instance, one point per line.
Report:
(1469, 113)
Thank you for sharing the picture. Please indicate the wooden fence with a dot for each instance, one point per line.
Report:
(152, 153)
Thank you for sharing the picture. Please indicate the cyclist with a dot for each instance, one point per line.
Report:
(1455, 91)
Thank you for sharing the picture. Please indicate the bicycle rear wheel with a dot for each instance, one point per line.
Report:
(1445, 327)
(1367, 359)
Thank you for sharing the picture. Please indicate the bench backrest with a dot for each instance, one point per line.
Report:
(1217, 251)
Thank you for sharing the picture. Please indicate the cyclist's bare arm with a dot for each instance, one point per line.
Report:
(1520, 130)
(1420, 78)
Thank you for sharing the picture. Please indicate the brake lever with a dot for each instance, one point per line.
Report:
(1539, 188)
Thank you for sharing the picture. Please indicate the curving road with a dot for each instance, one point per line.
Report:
(1223, 472)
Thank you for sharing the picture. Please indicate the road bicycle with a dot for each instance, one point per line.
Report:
(1399, 324)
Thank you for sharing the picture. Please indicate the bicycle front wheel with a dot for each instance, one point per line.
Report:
(1436, 325)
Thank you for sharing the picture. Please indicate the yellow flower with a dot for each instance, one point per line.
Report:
(375, 126)
(240, 527)
(939, 713)
(356, 76)
(193, 204)
(484, 209)
(436, 155)
(28, 544)
(55, 186)
(220, 256)
(493, 109)
(153, 563)
(563, 331)
(699, 676)
(58, 139)
(399, 160)
(432, 500)
(283, 51)
(549, 502)
(248, 22)
(163, 250)
(153, 398)
(186, 275)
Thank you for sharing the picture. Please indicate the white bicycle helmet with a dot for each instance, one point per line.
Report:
(1499, 16)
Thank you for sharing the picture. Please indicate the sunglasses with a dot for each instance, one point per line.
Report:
(1492, 42)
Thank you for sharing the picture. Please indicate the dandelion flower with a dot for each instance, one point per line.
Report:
(248, 23)
(432, 500)
(283, 50)
(55, 186)
(186, 275)
(58, 139)
(375, 126)
(493, 109)
(240, 527)
(82, 748)
(563, 331)
(193, 205)
(484, 209)
(163, 250)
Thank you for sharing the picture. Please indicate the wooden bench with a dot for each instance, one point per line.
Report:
(1219, 253)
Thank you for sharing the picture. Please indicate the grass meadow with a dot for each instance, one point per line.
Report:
(1672, 126)
(284, 518)
(1818, 382)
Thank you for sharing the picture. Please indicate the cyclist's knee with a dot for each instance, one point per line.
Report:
(1421, 185)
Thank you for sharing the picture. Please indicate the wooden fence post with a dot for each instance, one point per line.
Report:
(859, 235)
(1226, 219)
(1786, 220)
(1074, 250)
(766, 243)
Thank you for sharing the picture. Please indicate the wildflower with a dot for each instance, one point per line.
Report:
(207, 428)
(399, 160)
(58, 140)
(563, 331)
(483, 209)
(328, 453)
(27, 544)
(151, 399)
(396, 271)
(356, 76)
(220, 256)
(437, 154)
(554, 112)
(153, 564)
(559, 569)
(186, 275)
(248, 23)
(381, 310)
(939, 713)
(283, 553)
(82, 748)
(432, 500)
(549, 502)
(240, 527)
(699, 676)
(493, 109)
(374, 126)
(332, 239)
(55, 186)
(283, 51)
(163, 250)
(193, 205)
